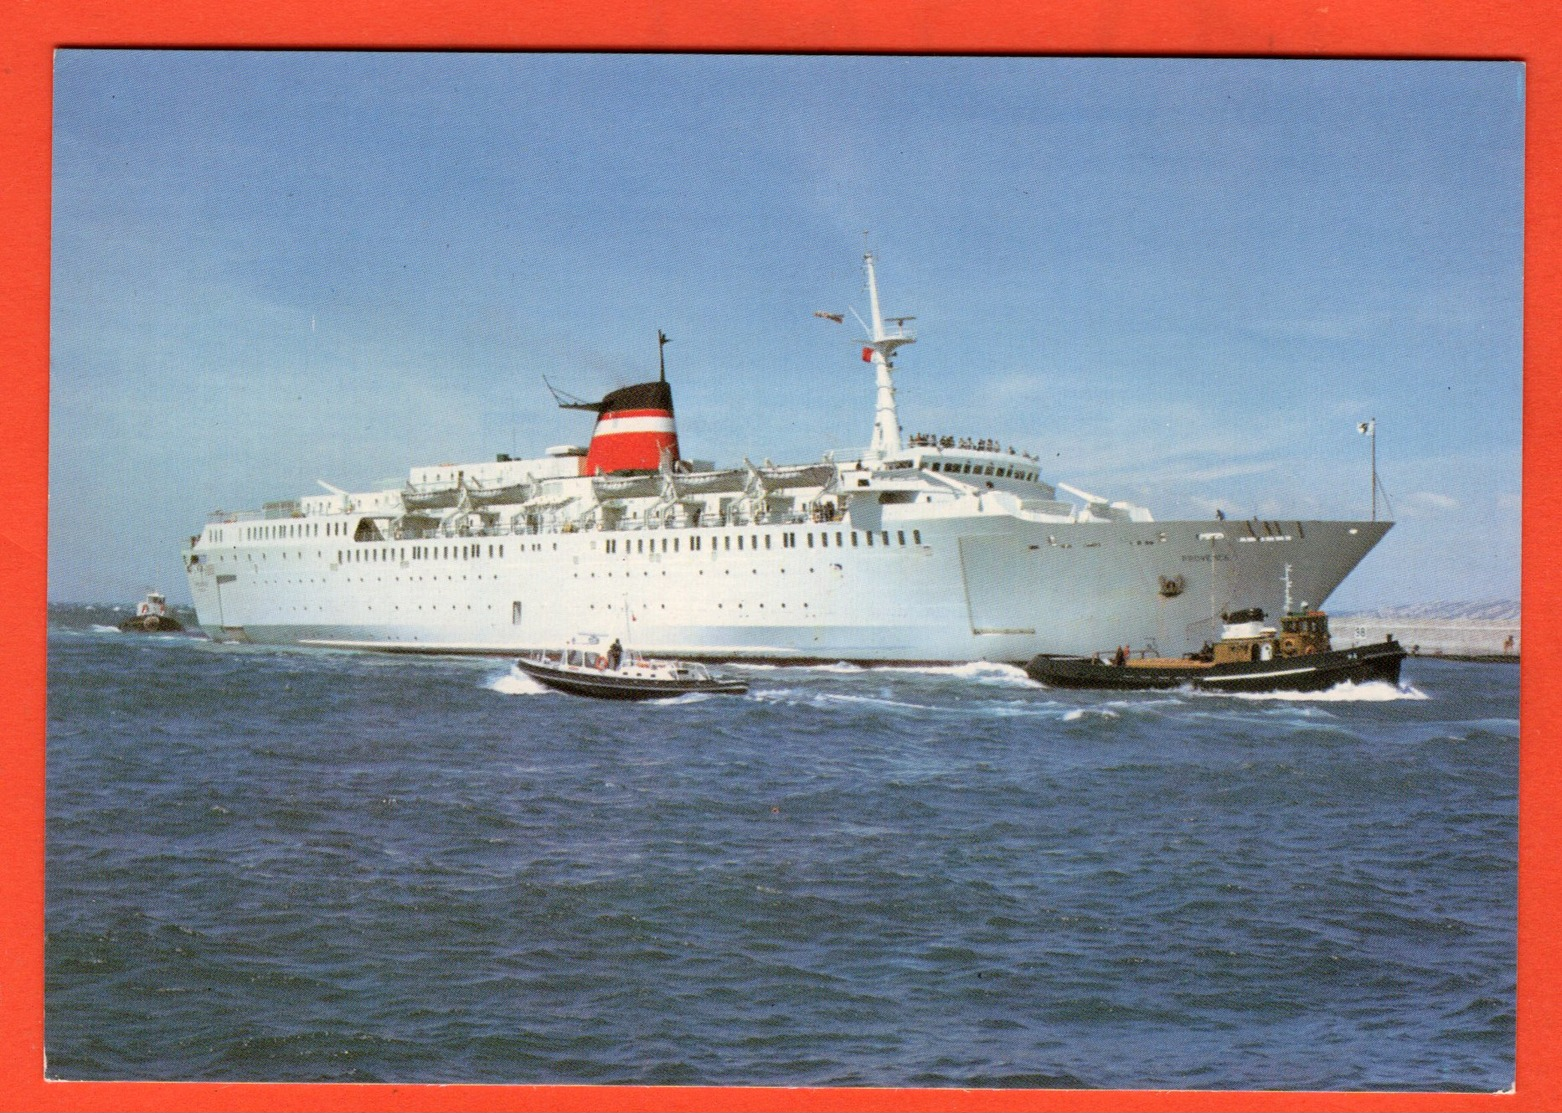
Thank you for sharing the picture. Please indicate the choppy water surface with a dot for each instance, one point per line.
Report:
(305, 865)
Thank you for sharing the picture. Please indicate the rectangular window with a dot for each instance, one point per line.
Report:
(916, 536)
(767, 540)
(640, 545)
(664, 544)
(501, 552)
(854, 539)
(869, 535)
(884, 537)
(515, 614)
(900, 536)
(824, 540)
(838, 544)
(675, 544)
(810, 540)
(726, 543)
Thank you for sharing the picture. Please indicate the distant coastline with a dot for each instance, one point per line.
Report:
(1478, 631)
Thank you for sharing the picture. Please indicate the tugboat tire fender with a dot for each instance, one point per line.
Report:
(1289, 646)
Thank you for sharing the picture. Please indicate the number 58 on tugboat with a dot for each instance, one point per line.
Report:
(1250, 657)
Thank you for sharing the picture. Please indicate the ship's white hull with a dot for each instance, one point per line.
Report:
(979, 587)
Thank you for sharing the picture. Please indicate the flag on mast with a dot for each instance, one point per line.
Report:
(1367, 427)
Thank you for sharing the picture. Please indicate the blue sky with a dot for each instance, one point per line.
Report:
(1181, 282)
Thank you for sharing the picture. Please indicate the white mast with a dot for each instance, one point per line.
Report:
(881, 347)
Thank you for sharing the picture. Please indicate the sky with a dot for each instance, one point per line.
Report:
(1181, 282)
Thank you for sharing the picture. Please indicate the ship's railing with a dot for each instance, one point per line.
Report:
(968, 444)
(221, 517)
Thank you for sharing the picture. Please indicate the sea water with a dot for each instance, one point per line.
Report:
(288, 864)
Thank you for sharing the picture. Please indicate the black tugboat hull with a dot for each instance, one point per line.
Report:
(609, 686)
(152, 624)
(1315, 672)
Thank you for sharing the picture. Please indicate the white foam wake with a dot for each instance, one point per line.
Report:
(516, 683)
(983, 672)
(1079, 713)
(1346, 691)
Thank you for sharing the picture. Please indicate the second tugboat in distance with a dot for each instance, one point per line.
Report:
(1250, 657)
(152, 617)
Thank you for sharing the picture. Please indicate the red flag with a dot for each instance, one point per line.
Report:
(867, 355)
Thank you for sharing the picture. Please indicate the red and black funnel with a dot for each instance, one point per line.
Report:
(634, 428)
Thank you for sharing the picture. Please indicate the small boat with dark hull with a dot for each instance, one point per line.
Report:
(1250, 657)
(585, 667)
(152, 617)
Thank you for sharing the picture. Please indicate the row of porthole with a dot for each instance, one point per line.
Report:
(788, 541)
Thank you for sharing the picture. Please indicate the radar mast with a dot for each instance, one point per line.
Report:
(880, 350)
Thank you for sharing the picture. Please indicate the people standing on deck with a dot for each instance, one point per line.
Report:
(615, 655)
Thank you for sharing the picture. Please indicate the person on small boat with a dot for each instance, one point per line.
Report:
(1120, 658)
(615, 655)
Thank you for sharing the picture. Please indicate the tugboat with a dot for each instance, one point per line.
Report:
(152, 617)
(584, 668)
(1250, 657)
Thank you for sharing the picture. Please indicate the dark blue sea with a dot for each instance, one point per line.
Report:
(304, 865)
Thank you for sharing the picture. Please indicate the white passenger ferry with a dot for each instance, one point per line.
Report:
(917, 549)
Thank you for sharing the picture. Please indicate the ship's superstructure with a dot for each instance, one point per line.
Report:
(927, 548)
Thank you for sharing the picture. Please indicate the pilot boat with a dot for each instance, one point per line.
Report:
(587, 666)
(1250, 657)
